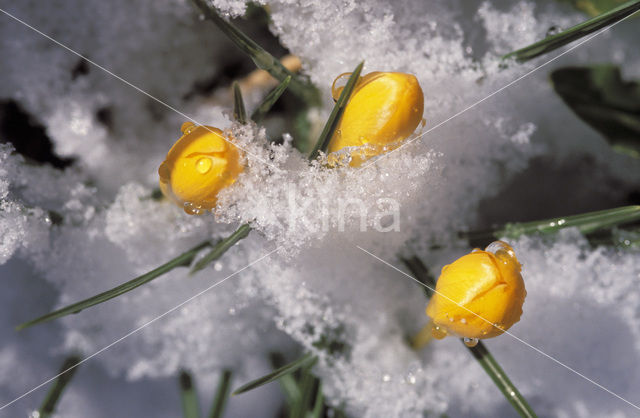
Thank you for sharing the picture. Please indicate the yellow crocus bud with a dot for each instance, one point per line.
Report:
(384, 109)
(480, 295)
(200, 164)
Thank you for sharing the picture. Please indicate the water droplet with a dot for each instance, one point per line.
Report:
(553, 30)
(217, 266)
(502, 250)
(411, 379)
(386, 378)
(187, 127)
(232, 311)
(164, 172)
(470, 342)
(463, 320)
(203, 165)
(192, 209)
(438, 332)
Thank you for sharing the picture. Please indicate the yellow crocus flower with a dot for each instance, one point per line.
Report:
(480, 295)
(384, 109)
(200, 164)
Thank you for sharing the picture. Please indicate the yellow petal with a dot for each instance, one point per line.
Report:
(480, 295)
(198, 166)
(384, 109)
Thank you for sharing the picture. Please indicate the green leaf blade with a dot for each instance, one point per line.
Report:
(67, 371)
(332, 122)
(551, 43)
(270, 100)
(222, 247)
(239, 111)
(260, 57)
(308, 386)
(276, 374)
(587, 223)
(188, 396)
(181, 260)
(222, 394)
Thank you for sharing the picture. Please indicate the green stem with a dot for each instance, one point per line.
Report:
(260, 57)
(551, 43)
(502, 381)
(480, 352)
(67, 371)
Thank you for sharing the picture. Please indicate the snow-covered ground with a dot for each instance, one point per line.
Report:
(519, 155)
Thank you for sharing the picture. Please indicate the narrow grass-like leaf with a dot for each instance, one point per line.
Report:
(53, 396)
(276, 374)
(500, 378)
(222, 394)
(480, 352)
(551, 43)
(181, 260)
(260, 57)
(586, 222)
(188, 396)
(239, 111)
(288, 383)
(595, 7)
(221, 247)
(336, 113)
(290, 388)
(318, 405)
(270, 100)
(308, 386)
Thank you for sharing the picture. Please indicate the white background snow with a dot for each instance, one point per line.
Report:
(520, 155)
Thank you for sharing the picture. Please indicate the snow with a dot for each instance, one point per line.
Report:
(582, 307)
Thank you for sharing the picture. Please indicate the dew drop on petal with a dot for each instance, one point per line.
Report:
(164, 172)
(203, 165)
(187, 127)
(192, 209)
(470, 342)
(438, 332)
